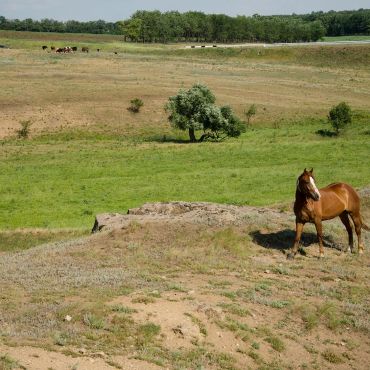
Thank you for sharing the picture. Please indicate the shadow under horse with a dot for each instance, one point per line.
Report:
(316, 205)
(281, 240)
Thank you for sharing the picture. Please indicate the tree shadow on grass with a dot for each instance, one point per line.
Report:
(283, 240)
(167, 139)
(326, 133)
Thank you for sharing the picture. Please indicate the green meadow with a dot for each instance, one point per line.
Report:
(86, 154)
(57, 181)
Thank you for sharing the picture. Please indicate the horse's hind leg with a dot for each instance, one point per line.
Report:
(346, 222)
(356, 218)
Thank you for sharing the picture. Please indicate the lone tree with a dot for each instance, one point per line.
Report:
(250, 113)
(195, 109)
(339, 116)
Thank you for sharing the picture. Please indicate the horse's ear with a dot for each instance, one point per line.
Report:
(311, 170)
(305, 170)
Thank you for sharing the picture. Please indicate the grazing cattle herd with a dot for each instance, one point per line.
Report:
(68, 49)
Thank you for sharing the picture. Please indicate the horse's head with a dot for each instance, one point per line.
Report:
(306, 185)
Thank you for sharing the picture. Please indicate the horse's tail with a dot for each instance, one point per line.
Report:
(364, 226)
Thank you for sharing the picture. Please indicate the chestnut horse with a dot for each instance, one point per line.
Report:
(314, 206)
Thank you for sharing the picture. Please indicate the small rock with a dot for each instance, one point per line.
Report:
(342, 343)
(68, 318)
(82, 351)
(267, 271)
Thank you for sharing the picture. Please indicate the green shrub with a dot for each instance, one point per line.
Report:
(24, 131)
(340, 116)
(135, 106)
(250, 113)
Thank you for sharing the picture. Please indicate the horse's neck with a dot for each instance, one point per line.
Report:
(301, 198)
(303, 202)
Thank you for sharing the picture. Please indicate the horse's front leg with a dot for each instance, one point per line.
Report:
(318, 225)
(298, 233)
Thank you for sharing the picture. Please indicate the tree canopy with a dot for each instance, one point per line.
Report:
(192, 26)
(195, 109)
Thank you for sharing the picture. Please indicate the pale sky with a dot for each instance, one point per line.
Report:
(114, 10)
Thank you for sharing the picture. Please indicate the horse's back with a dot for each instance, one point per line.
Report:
(343, 193)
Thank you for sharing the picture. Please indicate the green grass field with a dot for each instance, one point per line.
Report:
(56, 182)
(103, 159)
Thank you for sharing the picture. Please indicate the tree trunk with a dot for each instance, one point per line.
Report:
(192, 135)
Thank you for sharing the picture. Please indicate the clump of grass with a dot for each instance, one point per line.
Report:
(234, 309)
(282, 270)
(276, 343)
(279, 304)
(7, 363)
(327, 313)
(24, 131)
(240, 329)
(255, 345)
(61, 339)
(331, 357)
(146, 333)
(135, 106)
(198, 322)
(255, 356)
(123, 309)
(93, 321)
(229, 294)
(143, 299)
(177, 288)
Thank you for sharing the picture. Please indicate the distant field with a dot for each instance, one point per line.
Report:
(88, 154)
(346, 38)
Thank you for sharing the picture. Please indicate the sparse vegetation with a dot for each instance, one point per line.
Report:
(331, 357)
(252, 110)
(24, 131)
(7, 363)
(136, 105)
(93, 321)
(276, 343)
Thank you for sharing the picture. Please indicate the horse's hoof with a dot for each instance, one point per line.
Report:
(290, 256)
(360, 251)
(321, 255)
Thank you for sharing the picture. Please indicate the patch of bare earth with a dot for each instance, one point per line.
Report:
(184, 286)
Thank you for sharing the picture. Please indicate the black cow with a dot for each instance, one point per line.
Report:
(44, 47)
(85, 49)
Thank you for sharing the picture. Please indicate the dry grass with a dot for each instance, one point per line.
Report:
(93, 91)
(200, 292)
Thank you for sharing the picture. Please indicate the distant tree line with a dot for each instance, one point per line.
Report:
(155, 26)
